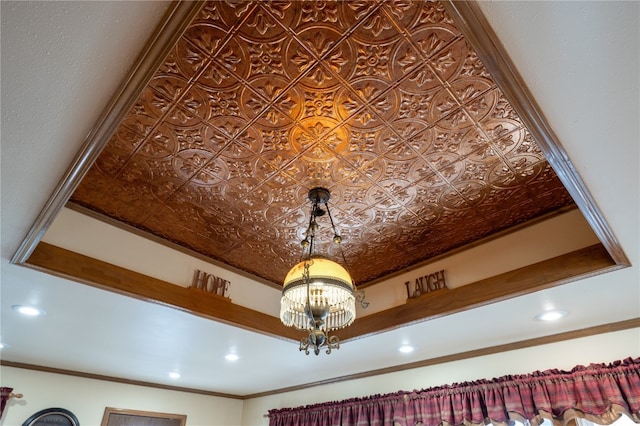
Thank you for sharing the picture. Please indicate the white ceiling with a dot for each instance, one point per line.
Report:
(61, 62)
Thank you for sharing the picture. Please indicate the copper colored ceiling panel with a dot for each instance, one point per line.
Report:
(383, 103)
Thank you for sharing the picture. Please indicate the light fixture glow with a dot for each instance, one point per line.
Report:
(551, 315)
(174, 375)
(318, 295)
(405, 349)
(27, 310)
(231, 357)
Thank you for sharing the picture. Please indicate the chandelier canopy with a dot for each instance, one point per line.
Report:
(318, 294)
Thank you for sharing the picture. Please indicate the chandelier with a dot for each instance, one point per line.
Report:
(318, 295)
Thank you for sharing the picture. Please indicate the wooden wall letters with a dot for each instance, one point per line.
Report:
(210, 283)
(426, 284)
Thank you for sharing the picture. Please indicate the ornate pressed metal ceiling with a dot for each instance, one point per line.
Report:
(383, 103)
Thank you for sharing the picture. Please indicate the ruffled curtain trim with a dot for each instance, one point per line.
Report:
(600, 393)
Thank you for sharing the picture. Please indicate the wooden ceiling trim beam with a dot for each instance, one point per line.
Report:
(96, 273)
(538, 276)
(552, 272)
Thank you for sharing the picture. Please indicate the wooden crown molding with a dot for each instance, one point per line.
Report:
(171, 27)
(470, 20)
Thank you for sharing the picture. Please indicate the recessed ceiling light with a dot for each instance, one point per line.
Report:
(27, 310)
(231, 357)
(174, 375)
(551, 315)
(405, 349)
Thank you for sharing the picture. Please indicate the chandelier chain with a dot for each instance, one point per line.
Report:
(318, 293)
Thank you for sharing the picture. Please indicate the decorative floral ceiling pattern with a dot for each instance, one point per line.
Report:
(383, 103)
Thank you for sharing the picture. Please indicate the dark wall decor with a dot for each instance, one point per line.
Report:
(52, 417)
(211, 283)
(426, 284)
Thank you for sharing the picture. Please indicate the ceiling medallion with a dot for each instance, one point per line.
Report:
(318, 294)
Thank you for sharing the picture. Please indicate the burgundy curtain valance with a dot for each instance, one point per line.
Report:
(598, 392)
(5, 394)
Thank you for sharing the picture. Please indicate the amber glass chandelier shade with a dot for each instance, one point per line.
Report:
(328, 297)
(318, 294)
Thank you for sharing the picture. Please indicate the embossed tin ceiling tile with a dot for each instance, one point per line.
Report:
(215, 77)
(383, 103)
(125, 140)
(325, 57)
(109, 164)
(557, 196)
(177, 138)
(134, 202)
(162, 92)
(270, 20)
(547, 182)
(214, 172)
(151, 104)
(184, 61)
(139, 123)
(415, 132)
(404, 141)
(451, 61)
(95, 185)
(276, 149)
(268, 99)
(397, 172)
(225, 16)
(210, 38)
(380, 23)
(196, 105)
(183, 115)
(481, 106)
(369, 105)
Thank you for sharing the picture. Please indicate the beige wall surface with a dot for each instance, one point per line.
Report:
(87, 399)
(565, 355)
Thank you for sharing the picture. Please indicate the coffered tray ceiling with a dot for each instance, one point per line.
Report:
(412, 113)
(386, 104)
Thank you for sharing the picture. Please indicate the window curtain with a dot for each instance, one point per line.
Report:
(5, 394)
(598, 392)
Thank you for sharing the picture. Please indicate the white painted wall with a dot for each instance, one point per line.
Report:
(87, 399)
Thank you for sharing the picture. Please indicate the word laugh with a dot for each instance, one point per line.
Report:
(426, 284)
